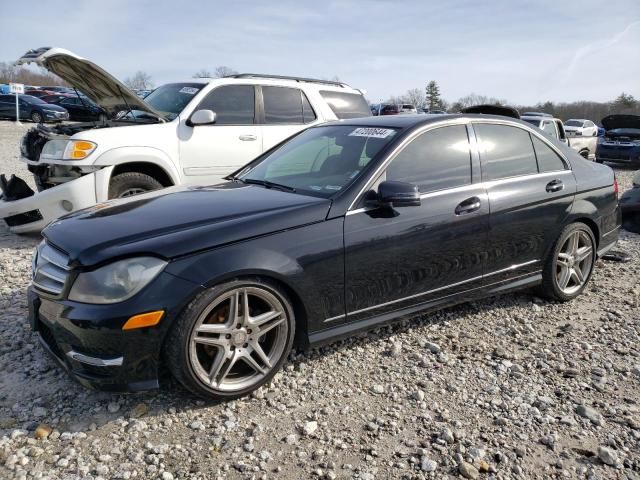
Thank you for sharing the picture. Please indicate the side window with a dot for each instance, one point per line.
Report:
(507, 151)
(284, 105)
(346, 105)
(548, 160)
(549, 129)
(435, 160)
(233, 104)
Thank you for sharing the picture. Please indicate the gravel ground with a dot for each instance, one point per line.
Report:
(509, 387)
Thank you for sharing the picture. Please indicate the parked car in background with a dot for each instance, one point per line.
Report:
(185, 133)
(83, 109)
(55, 98)
(432, 112)
(551, 127)
(31, 108)
(59, 89)
(307, 244)
(38, 93)
(398, 109)
(580, 127)
(621, 141)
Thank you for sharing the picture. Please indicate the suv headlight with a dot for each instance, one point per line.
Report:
(117, 281)
(67, 149)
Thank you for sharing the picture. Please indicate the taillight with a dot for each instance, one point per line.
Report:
(615, 186)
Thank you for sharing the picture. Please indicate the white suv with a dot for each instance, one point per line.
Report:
(186, 133)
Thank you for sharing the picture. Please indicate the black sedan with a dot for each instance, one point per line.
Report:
(82, 109)
(31, 108)
(341, 228)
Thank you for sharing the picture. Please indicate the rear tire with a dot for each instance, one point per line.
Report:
(217, 351)
(36, 117)
(568, 267)
(128, 184)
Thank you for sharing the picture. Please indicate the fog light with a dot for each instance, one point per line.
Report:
(143, 320)
(67, 205)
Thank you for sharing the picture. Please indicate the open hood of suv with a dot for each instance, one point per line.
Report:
(611, 122)
(101, 87)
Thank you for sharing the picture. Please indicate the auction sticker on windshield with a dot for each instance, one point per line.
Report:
(189, 90)
(371, 132)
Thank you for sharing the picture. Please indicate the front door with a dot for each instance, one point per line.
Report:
(531, 192)
(410, 255)
(210, 152)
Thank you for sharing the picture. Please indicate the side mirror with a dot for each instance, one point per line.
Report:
(398, 194)
(202, 117)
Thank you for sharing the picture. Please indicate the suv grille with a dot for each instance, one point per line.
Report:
(51, 270)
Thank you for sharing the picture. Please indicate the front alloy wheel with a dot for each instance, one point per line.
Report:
(238, 336)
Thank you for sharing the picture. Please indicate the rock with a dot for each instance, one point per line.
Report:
(39, 412)
(113, 407)
(291, 439)
(43, 431)
(167, 476)
(379, 389)
(196, 425)
(428, 465)
(432, 347)
(310, 427)
(483, 467)
(607, 455)
(140, 410)
(447, 436)
(468, 471)
(590, 413)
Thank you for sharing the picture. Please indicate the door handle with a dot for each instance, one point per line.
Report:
(469, 205)
(554, 186)
(248, 138)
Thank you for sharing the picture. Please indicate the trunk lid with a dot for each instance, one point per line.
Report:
(100, 86)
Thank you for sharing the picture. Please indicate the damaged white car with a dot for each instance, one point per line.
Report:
(187, 133)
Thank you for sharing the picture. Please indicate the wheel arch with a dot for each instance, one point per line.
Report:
(148, 160)
(154, 170)
(593, 226)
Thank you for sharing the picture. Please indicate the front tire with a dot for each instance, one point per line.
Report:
(36, 117)
(568, 268)
(128, 184)
(231, 339)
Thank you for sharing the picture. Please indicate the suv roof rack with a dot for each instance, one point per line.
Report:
(285, 77)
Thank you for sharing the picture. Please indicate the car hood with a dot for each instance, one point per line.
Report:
(52, 106)
(104, 89)
(179, 221)
(612, 122)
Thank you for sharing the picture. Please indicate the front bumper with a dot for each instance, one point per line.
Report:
(32, 214)
(618, 153)
(89, 343)
(54, 116)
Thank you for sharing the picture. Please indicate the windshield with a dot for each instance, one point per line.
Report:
(170, 99)
(533, 121)
(573, 123)
(320, 161)
(31, 99)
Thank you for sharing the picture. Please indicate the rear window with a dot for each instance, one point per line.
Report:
(573, 123)
(346, 105)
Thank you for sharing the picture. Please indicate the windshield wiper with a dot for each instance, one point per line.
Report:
(266, 183)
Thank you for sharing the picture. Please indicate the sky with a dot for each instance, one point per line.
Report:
(522, 51)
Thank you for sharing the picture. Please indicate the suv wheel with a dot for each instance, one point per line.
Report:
(36, 117)
(231, 339)
(570, 263)
(128, 184)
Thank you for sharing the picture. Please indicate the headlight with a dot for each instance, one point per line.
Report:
(117, 281)
(67, 149)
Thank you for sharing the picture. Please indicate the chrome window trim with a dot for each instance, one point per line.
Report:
(473, 147)
(434, 290)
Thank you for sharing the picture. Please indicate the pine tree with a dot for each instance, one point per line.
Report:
(433, 95)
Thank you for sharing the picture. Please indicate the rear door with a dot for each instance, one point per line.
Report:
(410, 255)
(7, 105)
(285, 112)
(531, 190)
(210, 152)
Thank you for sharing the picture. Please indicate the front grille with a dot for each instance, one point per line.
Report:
(52, 270)
(48, 338)
(23, 218)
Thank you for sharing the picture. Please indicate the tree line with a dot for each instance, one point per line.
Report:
(431, 99)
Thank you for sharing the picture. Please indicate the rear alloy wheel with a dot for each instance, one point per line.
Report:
(36, 117)
(569, 267)
(231, 339)
(128, 184)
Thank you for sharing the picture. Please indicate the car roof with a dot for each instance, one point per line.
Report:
(410, 121)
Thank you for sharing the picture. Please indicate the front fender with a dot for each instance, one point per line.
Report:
(121, 155)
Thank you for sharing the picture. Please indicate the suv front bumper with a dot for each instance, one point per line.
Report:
(32, 214)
